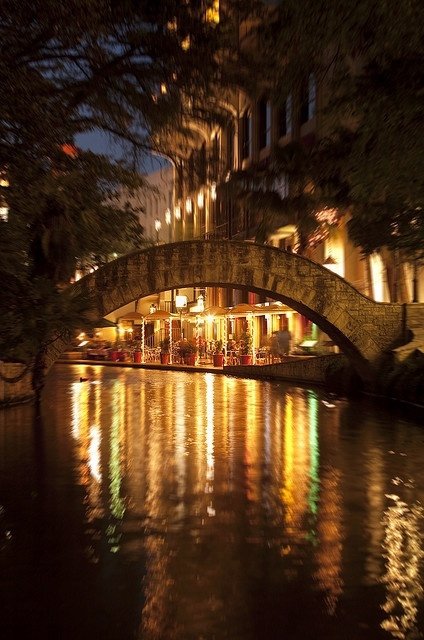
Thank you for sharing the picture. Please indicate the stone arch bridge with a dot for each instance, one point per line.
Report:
(362, 328)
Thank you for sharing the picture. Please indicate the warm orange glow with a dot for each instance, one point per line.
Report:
(185, 44)
(212, 12)
(69, 150)
(403, 551)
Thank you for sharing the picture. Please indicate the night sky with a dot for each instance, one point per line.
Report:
(102, 143)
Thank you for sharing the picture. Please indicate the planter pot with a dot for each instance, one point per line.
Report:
(137, 357)
(218, 359)
(164, 358)
(246, 358)
(190, 359)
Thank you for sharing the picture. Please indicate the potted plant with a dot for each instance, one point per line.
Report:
(188, 351)
(164, 350)
(137, 353)
(246, 348)
(117, 353)
(218, 356)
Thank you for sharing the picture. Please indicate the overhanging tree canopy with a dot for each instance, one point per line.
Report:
(369, 59)
(128, 69)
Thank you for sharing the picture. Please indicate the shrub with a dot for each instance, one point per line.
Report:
(218, 346)
(246, 344)
(341, 378)
(188, 346)
(164, 345)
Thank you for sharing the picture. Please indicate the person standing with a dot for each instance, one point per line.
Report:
(283, 342)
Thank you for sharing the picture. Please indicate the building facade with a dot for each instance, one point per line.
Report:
(224, 184)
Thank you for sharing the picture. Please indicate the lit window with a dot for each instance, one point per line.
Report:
(285, 118)
(4, 213)
(212, 12)
(308, 100)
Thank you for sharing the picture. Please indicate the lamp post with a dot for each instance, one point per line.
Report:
(180, 304)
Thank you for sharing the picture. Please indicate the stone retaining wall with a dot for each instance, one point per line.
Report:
(14, 392)
(296, 370)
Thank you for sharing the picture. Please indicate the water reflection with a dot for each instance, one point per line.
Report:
(227, 508)
(403, 552)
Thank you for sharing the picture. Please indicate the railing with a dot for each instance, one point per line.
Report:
(218, 233)
(156, 338)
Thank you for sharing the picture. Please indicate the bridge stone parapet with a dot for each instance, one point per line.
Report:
(414, 322)
(362, 328)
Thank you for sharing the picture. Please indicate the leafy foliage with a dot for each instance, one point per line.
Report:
(368, 56)
(128, 69)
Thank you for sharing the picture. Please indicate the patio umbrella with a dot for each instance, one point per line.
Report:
(132, 315)
(215, 311)
(242, 309)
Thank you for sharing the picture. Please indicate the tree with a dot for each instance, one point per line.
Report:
(368, 58)
(71, 218)
(301, 186)
(128, 69)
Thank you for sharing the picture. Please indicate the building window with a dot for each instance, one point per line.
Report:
(285, 118)
(264, 109)
(246, 135)
(230, 146)
(308, 100)
(202, 170)
(191, 172)
(215, 156)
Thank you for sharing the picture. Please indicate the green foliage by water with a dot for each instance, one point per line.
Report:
(403, 380)
(134, 71)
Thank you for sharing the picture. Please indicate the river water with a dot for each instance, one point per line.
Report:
(176, 506)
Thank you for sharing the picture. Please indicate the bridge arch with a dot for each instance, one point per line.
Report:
(362, 328)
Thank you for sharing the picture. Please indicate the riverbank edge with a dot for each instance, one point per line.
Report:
(302, 371)
(308, 370)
